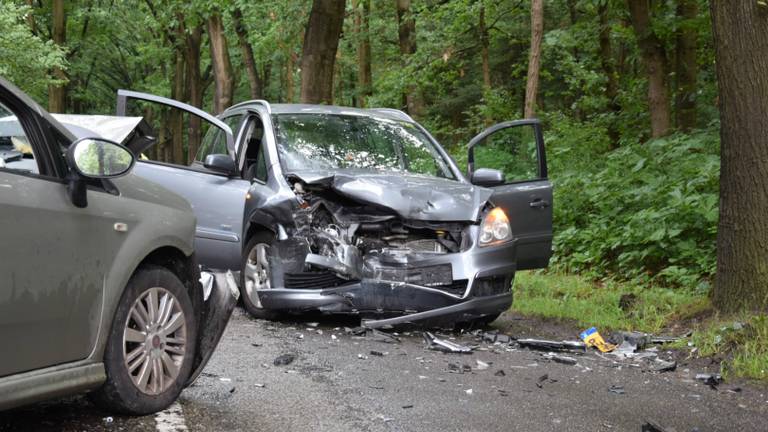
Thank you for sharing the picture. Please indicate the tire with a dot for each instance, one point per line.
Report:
(251, 276)
(169, 352)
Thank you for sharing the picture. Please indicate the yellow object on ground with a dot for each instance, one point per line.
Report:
(591, 337)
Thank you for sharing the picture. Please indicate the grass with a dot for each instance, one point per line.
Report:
(556, 295)
(741, 340)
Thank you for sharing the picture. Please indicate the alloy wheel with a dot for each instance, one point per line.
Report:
(256, 273)
(154, 341)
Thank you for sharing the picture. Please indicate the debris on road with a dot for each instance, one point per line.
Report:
(560, 358)
(437, 344)
(468, 391)
(712, 380)
(548, 345)
(362, 357)
(617, 389)
(660, 365)
(591, 337)
(500, 372)
(378, 353)
(459, 368)
(407, 406)
(653, 427)
(542, 379)
(481, 365)
(285, 359)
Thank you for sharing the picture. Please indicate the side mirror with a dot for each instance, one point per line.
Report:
(487, 177)
(220, 163)
(95, 158)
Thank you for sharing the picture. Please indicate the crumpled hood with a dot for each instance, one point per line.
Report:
(409, 196)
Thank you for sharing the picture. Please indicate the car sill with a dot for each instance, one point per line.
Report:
(21, 389)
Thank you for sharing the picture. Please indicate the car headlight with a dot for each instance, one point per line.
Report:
(495, 228)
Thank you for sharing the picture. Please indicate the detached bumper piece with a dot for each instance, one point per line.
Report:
(221, 294)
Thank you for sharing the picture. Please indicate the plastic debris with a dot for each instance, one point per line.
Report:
(652, 427)
(660, 365)
(617, 389)
(378, 353)
(560, 359)
(542, 379)
(591, 337)
(500, 372)
(468, 391)
(459, 368)
(437, 344)
(712, 380)
(407, 406)
(548, 345)
(362, 357)
(481, 365)
(285, 359)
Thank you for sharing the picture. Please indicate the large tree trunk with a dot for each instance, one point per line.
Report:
(57, 93)
(194, 89)
(741, 50)
(606, 61)
(177, 116)
(534, 59)
(362, 30)
(686, 67)
(321, 40)
(254, 79)
(655, 61)
(406, 31)
(224, 82)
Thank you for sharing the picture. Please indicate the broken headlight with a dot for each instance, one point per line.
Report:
(495, 228)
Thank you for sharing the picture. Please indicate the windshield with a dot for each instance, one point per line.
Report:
(331, 141)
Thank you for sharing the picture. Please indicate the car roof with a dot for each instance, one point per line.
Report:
(386, 113)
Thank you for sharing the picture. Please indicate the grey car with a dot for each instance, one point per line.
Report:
(101, 291)
(345, 210)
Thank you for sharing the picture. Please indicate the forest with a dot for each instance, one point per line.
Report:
(627, 92)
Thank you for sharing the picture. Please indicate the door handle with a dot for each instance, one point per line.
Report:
(539, 203)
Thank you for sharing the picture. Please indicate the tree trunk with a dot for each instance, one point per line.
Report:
(606, 61)
(406, 31)
(224, 81)
(740, 31)
(321, 40)
(534, 59)
(686, 67)
(254, 80)
(362, 30)
(655, 61)
(57, 93)
(194, 88)
(484, 57)
(289, 85)
(177, 116)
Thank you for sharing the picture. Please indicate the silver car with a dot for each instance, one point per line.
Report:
(100, 288)
(346, 210)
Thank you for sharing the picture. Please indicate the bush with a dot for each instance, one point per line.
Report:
(645, 211)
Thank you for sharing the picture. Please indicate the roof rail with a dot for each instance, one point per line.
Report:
(262, 102)
(396, 112)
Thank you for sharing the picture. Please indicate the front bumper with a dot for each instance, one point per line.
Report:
(485, 273)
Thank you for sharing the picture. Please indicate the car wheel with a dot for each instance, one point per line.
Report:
(255, 276)
(151, 346)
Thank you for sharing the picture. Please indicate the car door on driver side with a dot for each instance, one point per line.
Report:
(517, 150)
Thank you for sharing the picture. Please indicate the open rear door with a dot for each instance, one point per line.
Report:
(217, 196)
(516, 149)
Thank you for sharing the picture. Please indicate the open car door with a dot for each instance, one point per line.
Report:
(210, 182)
(516, 149)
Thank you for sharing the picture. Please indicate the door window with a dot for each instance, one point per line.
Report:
(16, 151)
(255, 163)
(513, 150)
(215, 140)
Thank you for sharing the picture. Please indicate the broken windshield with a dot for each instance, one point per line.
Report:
(333, 141)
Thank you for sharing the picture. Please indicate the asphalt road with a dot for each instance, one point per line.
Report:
(337, 384)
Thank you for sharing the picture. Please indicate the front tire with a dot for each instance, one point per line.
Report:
(151, 345)
(256, 275)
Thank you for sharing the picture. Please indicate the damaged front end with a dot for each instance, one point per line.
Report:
(346, 255)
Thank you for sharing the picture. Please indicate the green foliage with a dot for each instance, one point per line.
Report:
(24, 57)
(646, 211)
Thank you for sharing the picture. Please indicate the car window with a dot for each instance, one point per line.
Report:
(215, 140)
(513, 151)
(255, 164)
(16, 151)
(330, 141)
